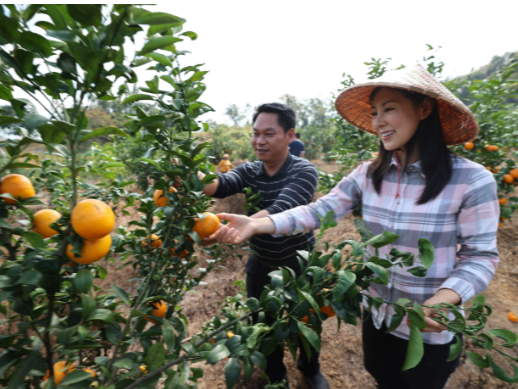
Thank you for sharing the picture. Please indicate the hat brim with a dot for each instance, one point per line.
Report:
(459, 125)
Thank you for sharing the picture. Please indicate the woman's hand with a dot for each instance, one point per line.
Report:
(241, 228)
(442, 296)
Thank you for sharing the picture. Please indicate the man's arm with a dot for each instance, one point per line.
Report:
(211, 188)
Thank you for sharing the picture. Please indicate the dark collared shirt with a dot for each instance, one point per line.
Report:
(293, 185)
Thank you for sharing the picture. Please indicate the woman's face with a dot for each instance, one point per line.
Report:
(395, 118)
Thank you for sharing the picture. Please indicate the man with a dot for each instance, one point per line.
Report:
(297, 147)
(225, 165)
(284, 182)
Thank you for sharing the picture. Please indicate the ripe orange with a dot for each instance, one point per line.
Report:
(182, 254)
(488, 147)
(514, 173)
(500, 225)
(328, 310)
(92, 219)
(508, 178)
(494, 148)
(91, 372)
(160, 199)
(469, 145)
(513, 317)
(155, 241)
(159, 311)
(206, 226)
(230, 334)
(92, 251)
(61, 369)
(502, 201)
(42, 221)
(305, 319)
(17, 185)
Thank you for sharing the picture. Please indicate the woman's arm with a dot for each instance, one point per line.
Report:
(241, 227)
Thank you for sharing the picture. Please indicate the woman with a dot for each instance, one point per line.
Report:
(415, 188)
(225, 165)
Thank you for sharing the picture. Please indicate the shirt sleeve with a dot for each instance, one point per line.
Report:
(231, 183)
(299, 191)
(342, 200)
(477, 226)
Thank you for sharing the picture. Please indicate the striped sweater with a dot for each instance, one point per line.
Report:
(293, 185)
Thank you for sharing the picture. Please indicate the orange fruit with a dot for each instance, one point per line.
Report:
(91, 372)
(494, 148)
(182, 254)
(513, 317)
(502, 201)
(305, 319)
(514, 173)
(155, 241)
(230, 334)
(508, 178)
(160, 199)
(18, 186)
(92, 251)
(488, 147)
(328, 310)
(500, 225)
(469, 145)
(61, 369)
(159, 311)
(92, 219)
(206, 226)
(42, 221)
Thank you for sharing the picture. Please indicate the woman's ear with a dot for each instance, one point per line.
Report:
(427, 107)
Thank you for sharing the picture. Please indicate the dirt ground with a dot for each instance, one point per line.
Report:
(341, 356)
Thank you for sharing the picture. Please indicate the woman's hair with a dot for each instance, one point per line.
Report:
(435, 157)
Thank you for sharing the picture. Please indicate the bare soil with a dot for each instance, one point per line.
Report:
(341, 356)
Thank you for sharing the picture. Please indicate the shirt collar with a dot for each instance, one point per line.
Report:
(283, 169)
(413, 167)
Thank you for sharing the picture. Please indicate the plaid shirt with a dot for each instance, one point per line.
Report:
(465, 213)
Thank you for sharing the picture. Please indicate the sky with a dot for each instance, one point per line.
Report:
(257, 51)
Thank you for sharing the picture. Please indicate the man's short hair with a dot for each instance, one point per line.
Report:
(297, 134)
(286, 116)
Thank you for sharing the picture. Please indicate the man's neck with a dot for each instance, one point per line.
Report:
(273, 167)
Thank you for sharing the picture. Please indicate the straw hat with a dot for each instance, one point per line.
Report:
(459, 125)
(225, 156)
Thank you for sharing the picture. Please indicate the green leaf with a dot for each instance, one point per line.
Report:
(34, 239)
(148, 160)
(219, 352)
(158, 43)
(509, 337)
(22, 370)
(415, 349)
(380, 271)
(154, 18)
(51, 133)
(232, 372)
(345, 280)
(30, 277)
(455, 349)
(152, 120)
(258, 360)
(160, 58)
(382, 240)
(365, 233)
(252, 303)
(122, 294)
(124, 363)
(479, 360)
(83, 280)
(104, 131)
(501, 374)
(190, 34)
(56, 15)
(34, 120)
(7, 120)
(169, 335)
(88, 304)
(426, 252)
(312, 337)
(75, 376)
(155, 357)
(395, 321)
(5, 93)
(312, 302)
(137, 97)
(86, 14)
(103, 315)
(35, 42)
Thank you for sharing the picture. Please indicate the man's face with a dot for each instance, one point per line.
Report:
(269, 141)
